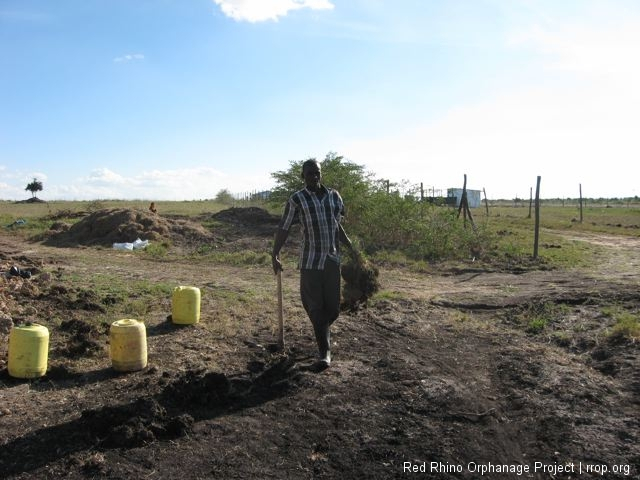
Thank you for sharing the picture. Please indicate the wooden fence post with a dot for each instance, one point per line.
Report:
(486, 202)
(580, 203)
(537, 227)
(464, 205)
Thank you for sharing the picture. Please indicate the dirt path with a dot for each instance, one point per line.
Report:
(441, 370)
(621, 259)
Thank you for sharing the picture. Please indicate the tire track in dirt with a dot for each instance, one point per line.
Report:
(621, 259)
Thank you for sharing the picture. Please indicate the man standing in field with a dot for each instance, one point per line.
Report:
(320, 210)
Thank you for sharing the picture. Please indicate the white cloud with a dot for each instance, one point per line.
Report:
(262, 10)
(503, 144)
(129, 58)
(176, 184)
(584, 50)
(104, 176)
(152, 184)
(195, 183)
(576, 123)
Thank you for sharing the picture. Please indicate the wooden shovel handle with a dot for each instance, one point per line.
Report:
(280, 312)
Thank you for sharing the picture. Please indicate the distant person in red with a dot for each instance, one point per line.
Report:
(152, 207)
(320, 210)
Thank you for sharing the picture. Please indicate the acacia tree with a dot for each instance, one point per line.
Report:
(35, 186)
(383, 215)
(348, 178)
(354, 183)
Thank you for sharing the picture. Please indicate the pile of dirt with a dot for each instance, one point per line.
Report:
(248, 220)
(79, 338)
(247, 216)
(31, 200)
(247, 228)
(135, 424)
(14, 286)
(118, 225)
(150, 419)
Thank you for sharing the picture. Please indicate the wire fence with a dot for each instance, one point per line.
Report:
(451, 197)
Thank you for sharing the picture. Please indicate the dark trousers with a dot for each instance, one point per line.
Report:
(320, 293)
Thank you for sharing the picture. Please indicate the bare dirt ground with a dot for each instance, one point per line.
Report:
(438, 369)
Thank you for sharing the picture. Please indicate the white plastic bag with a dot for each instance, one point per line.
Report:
(123, 246)
(140, 244)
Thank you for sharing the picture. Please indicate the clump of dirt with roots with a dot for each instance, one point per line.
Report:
(360, 279)
(441, 371)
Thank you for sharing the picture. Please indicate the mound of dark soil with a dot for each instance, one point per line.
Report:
(79, 338)
(248, 220)
(135, 424)
(31, 200)
(247, 216)
(118, 225)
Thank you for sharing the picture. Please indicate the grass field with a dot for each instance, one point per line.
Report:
(510, 227)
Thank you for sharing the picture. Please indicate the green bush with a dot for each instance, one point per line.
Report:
(157, 250)
(626, 323)
(388, 216)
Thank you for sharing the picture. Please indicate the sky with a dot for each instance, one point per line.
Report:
(180, 99)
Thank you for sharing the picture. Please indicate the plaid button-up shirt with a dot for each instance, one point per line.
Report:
(320, 217)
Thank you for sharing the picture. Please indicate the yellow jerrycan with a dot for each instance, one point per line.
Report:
(128, 345)
(185, 305)
(28, 351)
